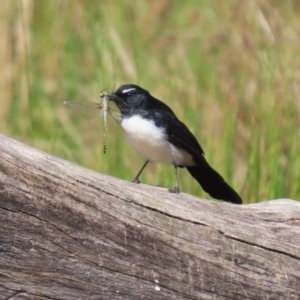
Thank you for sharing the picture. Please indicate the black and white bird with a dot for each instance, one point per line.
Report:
(155, 132)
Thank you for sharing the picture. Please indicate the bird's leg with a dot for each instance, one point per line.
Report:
(136, 178)
(176, 189)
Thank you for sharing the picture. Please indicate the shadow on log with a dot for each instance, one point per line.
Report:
(70, 233)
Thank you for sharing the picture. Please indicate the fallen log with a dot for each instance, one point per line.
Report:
(70, 233)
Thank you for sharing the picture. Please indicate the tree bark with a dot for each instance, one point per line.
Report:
(70, 233)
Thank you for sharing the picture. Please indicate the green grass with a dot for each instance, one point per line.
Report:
(230, 71)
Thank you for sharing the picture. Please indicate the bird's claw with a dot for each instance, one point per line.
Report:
(135, 180)
(175, 190)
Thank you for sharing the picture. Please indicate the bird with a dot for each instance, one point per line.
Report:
(154, 131)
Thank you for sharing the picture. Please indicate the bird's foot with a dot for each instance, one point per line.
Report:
(136, 180)
(175, 190)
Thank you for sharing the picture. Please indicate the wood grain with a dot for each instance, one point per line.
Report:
(70, 233)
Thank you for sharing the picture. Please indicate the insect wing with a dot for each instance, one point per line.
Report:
(93, 109)
(88, 109)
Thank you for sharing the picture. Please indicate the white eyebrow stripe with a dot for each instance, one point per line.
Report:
(128, 90)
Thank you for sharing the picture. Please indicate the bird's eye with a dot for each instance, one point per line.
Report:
(128, 94)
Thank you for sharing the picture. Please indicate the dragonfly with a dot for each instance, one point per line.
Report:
(97, 109)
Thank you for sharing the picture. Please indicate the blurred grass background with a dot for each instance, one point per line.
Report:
(229, 70)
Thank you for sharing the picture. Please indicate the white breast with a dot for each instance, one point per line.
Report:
(149, 141)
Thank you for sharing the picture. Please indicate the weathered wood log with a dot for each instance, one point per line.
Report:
(70, 233)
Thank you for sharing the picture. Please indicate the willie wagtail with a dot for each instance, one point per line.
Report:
(155, 132)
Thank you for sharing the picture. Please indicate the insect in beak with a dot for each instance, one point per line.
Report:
(104, 106)
(109, 97)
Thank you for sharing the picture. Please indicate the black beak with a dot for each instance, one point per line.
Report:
(112, 97)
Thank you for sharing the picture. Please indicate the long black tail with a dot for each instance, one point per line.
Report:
(214, 184)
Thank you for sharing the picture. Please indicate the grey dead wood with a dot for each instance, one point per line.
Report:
(70, 233)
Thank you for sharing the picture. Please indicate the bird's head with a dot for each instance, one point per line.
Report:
(129, 96)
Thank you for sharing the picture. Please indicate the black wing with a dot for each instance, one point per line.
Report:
(177, 133)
